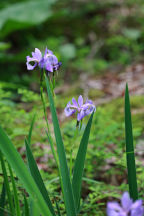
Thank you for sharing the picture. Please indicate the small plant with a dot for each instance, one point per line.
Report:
(36, 198)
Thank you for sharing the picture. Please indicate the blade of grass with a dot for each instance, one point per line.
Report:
(31, 128)
(9, 194)
(67, 187)
(37, 177)
(22, 172)
(88, 180)
(2, 200)
(132, 180)
(26, 207)
(58, 210)
(79, 163)
(16, 201)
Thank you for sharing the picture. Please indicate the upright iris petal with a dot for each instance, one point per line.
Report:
(82, 109)
(80, 100)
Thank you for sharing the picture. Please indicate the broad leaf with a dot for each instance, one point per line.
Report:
(24, 14)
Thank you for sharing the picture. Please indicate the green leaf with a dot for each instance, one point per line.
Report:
(50, 140)
(30, 130)
(67, 187)
(20, 15)
(2, 200)
(26, 207)
(9, 194)
(33, 208)
(58, 209)
(37, 177)
(132, 180)
(22, 172)
(17, 205)
(79, 163)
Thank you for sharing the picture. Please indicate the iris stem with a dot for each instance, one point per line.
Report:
(53, 80)
(71, 151)
(50, 138)
(46, 119)
(48, 130)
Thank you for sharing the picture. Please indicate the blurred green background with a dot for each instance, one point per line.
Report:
(87, 36)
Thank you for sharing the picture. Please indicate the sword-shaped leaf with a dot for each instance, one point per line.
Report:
(22, 172)
(79, 163)
(37, 177)
(132, 180)
(66, 184)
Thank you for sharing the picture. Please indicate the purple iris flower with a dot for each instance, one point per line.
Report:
(82, 109)
(49, 61)
(127, 207)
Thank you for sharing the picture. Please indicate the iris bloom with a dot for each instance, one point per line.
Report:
(49, 61)
(127, 207)
(82, 109)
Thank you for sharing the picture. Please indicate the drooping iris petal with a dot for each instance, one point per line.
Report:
(29, 66)
(33, 61)
(57, 66)
(48, 66)
(137, 209)
(53, 60)
(114, 209)
(89, 101)
(112, 213)
(89, 111)
(50, 61)
(69, 110)
(80, 115)
(136, 204)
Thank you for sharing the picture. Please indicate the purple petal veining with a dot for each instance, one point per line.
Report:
(82, 109)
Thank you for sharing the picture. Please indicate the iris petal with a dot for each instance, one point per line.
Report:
(49, 61)
(126, 201)
(69, 111)
(29, 66)
(80, 100)
(49, 66)
(74, 102)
